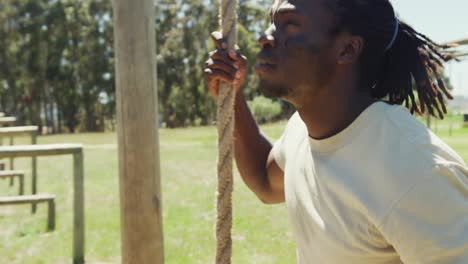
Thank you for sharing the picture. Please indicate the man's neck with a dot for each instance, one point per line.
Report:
(331, 114)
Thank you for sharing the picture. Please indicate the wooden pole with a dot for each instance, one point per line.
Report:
(78, 209)
(137, 129)
(458, 42)
(2, 165)
(21, 184)
(12, 160)
(34, 171)
(51, 215)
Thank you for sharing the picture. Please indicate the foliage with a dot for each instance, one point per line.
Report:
(264, 109)
(183, 44)
(57, 60)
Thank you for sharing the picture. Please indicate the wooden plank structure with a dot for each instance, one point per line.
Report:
(137, 128)
(14, 173)
(32, 131)
(460, 42)
(38, 198)
(6, 121)
(76, 150)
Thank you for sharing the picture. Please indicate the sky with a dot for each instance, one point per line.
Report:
(442, 21)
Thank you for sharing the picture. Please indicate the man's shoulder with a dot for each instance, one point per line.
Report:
(396, 153)
(413, 137)
(295, 127)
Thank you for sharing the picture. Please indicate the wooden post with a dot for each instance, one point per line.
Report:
(137, 129)
(34, 171)
(51, 215)
(2, 165)
(12, 165)
(12, 142)
(78, 206)
(21, 184)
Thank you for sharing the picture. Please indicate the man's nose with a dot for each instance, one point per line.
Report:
(267, 38)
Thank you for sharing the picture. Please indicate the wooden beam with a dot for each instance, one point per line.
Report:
(78, 184)
(458, 42)
(7, 120)
(39, 150)
(11, 200)
(17, 131)
(461, 54)
(462, 42)
(137, 129)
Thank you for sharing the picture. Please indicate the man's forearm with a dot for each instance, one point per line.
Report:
(251, 148)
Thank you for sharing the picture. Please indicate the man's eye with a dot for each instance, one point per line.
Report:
(291, 23)
(291, 27)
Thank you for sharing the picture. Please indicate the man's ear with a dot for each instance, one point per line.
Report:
(349, 48)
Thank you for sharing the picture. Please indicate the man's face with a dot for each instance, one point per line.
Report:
(295, 60)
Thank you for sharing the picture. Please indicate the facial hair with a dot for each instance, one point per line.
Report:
(273, 90)
(294, 47)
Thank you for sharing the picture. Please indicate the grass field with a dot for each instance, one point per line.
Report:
(188, 157)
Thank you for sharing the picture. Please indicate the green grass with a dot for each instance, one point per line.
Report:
(188, 159)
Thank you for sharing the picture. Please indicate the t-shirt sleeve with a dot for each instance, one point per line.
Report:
(429, 224)
(278, 152)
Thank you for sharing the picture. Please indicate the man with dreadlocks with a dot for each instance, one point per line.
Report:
(363, 180)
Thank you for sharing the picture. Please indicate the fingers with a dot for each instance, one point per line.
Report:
(219, 41)
(214, 77)
(224, 65)
(221, 65)
(219, 75)
(221, 44)
(212, 83)
(237, 57)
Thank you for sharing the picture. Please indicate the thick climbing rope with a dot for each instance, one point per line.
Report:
(226, 98)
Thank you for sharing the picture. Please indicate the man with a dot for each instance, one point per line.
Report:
(363, 180)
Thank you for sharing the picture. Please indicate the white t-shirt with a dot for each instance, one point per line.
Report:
(384, 190)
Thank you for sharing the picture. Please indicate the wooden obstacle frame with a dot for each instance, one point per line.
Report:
(14, 173)
(38, 198)
(76, 150)
(6, 121)
(11, 133)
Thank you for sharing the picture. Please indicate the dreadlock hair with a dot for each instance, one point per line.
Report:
(412, 59)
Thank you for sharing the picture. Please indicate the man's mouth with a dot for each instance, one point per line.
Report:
(264, 65)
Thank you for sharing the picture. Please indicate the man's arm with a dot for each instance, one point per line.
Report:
(253, 156)
(252, 150)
